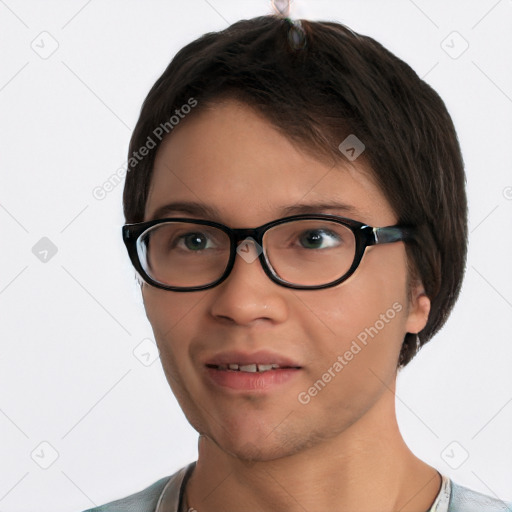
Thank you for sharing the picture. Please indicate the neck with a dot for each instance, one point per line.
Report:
(366, 467)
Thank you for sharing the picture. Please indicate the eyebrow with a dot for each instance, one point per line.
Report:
(201, 210)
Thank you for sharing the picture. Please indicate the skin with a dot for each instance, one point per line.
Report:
(268, 451)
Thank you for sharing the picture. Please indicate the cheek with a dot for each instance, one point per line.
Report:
(171, 317)
(354, 334)
(174, 326)
(364, 317)
(167, 311)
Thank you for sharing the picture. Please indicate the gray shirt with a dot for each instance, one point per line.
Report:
(166, 495)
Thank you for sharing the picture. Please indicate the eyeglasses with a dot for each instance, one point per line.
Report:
(305, 252)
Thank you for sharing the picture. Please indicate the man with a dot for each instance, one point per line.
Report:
(296, 212)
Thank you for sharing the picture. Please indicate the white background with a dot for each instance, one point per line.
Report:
(70, 325)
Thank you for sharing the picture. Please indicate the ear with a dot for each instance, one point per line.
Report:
(419, 309)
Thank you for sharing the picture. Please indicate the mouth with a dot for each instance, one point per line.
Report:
(258, 372)
(251, 367)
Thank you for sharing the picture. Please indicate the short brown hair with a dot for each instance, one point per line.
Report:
(318, 82)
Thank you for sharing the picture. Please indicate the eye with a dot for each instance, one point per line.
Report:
(319, 239)
(194, 242)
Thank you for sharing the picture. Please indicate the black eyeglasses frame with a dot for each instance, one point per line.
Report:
(365, 236)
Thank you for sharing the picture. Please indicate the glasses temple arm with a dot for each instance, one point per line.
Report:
(393, 234)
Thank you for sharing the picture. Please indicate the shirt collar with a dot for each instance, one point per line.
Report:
(172, 494)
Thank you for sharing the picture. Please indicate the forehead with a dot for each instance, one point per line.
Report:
(231, 158)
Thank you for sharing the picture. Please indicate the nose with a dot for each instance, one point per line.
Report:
(248, 296)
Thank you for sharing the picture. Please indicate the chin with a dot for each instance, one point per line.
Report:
(251, 452)
(252, 445)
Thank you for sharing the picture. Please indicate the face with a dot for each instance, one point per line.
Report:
(343, 342)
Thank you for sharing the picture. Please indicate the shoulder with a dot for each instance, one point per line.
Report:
(463, 499)
(142, 501)
(145, 500)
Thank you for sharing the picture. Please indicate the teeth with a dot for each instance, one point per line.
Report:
(248, 368)
(251, 368)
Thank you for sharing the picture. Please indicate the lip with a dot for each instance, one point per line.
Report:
(247, 381)
(254, 382)
(260, 356)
